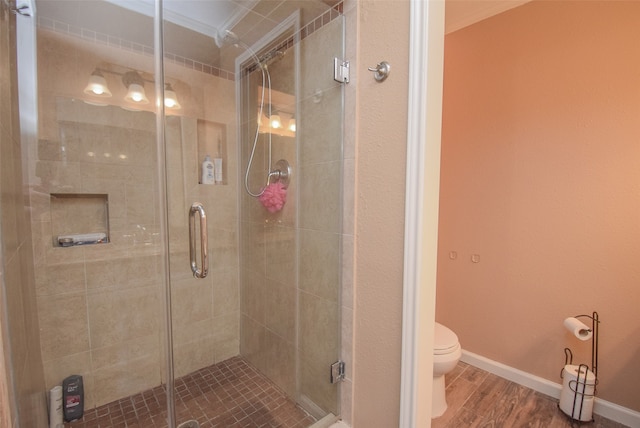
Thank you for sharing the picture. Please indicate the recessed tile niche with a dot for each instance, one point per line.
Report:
(79, 219)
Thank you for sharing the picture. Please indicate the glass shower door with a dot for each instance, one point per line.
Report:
(94, 185)
(290, 258)
(204, 309)
(257, 337)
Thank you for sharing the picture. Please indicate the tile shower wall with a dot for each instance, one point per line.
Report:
(101, 306)
(290, 310)
(22, 384)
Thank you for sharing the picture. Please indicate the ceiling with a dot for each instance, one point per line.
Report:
(195, 26)
(462, 13)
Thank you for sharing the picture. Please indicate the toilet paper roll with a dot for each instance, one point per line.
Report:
(578, 389)
(578, 328)
(577, 407)
(579, 379)
(55, 407)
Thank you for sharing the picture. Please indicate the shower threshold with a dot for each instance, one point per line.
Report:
(230, 394)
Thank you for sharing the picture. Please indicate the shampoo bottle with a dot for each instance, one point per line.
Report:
(217, 163)
(207, 171)
(72, 398)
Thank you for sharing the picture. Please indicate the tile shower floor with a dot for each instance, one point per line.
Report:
(230, 394)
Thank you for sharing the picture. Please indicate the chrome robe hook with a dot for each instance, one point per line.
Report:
(381, 70)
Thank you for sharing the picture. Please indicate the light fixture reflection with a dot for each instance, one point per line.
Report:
(97, 85)
(292, 124)
(170, 98)
(135, 88)
(275, 121)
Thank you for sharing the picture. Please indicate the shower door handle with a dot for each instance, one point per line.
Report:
(204, 245)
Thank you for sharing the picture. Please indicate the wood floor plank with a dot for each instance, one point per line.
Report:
(464, 418)
(455, 373)
(458, 392)
(480, 399)
(474, 374)
(507, 410)
(483, 400)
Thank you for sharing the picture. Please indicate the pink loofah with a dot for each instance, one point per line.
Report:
(274, 197)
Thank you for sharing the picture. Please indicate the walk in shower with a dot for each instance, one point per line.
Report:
(112, 175)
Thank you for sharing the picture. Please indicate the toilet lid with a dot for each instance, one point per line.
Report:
(445, 339)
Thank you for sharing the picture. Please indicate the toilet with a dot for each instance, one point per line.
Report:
(446, 354)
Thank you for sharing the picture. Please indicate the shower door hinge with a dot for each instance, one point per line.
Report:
(337, 372)
(340, 70)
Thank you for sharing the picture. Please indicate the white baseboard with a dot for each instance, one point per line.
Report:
(601, 407)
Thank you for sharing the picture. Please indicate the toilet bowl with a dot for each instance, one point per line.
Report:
(446, 354)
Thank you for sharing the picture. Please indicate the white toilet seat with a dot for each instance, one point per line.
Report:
(450, 350)
(445, 341)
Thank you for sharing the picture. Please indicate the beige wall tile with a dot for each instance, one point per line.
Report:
(320, 128)
(322, 208)
(280, 317)
(123, 314)
(320, 263)
(147, 347)
(225, 350)
(280, 362)
(319, 335)
(226, 327)
(62, 278)
(223, 247)
(253, 295)
(281, 253)
(56, 177)
(186, 333)
(124, 379)
(253, 342)
(252, 236)
(107, 274)
(191, 301)
(63, 332)
(193, 355)
(226, 292)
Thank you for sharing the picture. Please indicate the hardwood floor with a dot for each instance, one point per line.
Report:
(477, 398)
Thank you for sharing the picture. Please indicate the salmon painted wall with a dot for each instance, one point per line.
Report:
(541, 180)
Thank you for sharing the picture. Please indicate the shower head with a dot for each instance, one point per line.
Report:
(229, 38)
(226, 38)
